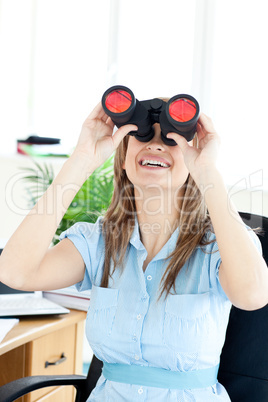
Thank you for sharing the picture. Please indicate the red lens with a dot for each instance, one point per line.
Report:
(118, 101)
(182, 109)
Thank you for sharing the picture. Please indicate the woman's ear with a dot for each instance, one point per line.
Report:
(124, 165)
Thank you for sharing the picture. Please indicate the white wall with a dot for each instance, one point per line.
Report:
(13, 199)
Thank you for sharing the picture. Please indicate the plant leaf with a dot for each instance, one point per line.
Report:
(91, 201)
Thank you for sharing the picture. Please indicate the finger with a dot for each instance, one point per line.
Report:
(206, 123)
(200, 132)
(122, 132)
(98, 113)
(110, 123)
(180, 140)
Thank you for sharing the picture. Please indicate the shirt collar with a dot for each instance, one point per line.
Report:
(166, 250)
(135, 239)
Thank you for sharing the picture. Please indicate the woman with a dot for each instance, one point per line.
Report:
(162, 287)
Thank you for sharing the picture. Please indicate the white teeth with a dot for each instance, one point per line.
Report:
(154, 163)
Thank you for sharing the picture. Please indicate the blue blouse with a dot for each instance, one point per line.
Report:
(127, 324)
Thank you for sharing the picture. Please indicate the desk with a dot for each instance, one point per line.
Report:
(32, 342)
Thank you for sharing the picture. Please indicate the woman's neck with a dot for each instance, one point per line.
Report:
(158, 217)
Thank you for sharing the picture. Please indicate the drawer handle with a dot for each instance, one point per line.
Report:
(57, 362)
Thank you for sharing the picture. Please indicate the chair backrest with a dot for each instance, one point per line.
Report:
(244, 359)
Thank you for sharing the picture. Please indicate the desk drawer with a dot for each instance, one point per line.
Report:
(52, 354)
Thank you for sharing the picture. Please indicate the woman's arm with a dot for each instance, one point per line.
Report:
(243, 272)
(26, 261)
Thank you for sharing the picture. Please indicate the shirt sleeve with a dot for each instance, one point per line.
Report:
(214, 265)
(215, 261)
(87, 238)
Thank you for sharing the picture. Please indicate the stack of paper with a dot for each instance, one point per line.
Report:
(6, 324)
(70, 298)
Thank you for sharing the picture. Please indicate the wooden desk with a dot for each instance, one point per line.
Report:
(32, 342)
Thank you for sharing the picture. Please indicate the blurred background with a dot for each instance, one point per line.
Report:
(59, 56)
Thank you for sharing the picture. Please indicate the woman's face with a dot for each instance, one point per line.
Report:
(154, 164)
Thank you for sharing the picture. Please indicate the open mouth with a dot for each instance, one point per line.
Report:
(154, 163)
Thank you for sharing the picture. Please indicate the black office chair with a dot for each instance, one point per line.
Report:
(244, 359)
(243, 364)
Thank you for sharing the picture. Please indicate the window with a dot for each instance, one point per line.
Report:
(53, 66)
(239, 87)
(59, 56)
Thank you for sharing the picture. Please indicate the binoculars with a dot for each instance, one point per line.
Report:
(179, 114)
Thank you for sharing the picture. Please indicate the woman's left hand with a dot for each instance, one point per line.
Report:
(200, 160)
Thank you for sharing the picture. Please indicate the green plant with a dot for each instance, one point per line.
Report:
(91, 201)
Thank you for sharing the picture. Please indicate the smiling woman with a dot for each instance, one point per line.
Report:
(154, 164)
(171, 255)
(163, 279)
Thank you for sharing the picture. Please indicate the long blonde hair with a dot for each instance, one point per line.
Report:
(119, 221)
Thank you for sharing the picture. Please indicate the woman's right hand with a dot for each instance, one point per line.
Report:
(96, 141)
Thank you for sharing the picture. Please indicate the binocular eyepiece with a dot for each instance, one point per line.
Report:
(179, 114)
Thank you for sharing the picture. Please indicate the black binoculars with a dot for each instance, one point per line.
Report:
(179, 114)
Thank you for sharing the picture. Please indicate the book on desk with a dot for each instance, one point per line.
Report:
(70, 298)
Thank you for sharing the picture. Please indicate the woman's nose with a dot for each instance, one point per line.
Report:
(156, 143)
(153, 146)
